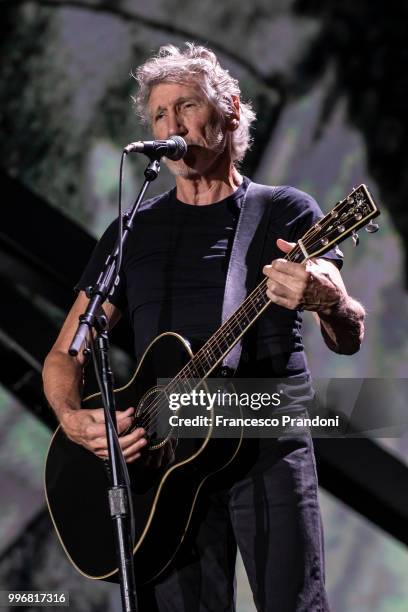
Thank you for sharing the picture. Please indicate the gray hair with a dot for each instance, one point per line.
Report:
(198, 64)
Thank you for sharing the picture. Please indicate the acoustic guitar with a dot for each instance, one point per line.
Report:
(164, 496)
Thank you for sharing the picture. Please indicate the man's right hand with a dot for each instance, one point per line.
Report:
(87, 427)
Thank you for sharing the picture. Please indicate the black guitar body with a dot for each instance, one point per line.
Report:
(164, 497)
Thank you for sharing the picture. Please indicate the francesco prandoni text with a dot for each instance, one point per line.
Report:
(282, 421)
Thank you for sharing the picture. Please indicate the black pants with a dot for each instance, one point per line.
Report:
(267, 504)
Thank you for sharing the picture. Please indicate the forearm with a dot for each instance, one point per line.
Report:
(62, 378)
(317, 286)
(342, 326)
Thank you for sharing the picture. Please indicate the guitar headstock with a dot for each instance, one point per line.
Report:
(355, 211)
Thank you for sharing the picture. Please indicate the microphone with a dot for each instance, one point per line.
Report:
(174, 148)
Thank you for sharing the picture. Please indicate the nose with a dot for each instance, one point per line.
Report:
(175, 125)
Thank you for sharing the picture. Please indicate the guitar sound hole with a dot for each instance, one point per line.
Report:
(153, 415)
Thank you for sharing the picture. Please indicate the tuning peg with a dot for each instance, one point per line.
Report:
(372, 227)
(355, 238)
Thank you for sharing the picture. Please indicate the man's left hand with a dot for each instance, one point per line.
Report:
(307, 286)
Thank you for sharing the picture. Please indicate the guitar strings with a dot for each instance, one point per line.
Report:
(201, 359)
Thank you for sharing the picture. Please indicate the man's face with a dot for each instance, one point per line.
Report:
(181, 109)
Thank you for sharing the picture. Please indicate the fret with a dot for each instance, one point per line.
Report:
(201, 364)
(198, 369)
(191, 371)
(218, 349)
(245, 319)
(219, 345)
(259, 299)
(207, 355)
(179, 384)
(223, 344)
(227, 333)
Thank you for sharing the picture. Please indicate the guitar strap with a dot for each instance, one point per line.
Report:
(246, 254)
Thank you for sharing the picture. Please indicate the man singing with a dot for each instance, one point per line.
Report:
(174, 275)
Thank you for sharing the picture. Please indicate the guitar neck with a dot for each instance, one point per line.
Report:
(224, 339)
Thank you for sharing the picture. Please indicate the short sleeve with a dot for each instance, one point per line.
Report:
(95, 264)
(305, 212)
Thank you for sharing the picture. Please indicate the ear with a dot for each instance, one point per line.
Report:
(232, 122)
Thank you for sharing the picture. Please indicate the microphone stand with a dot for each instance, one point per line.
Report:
(94, 319)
